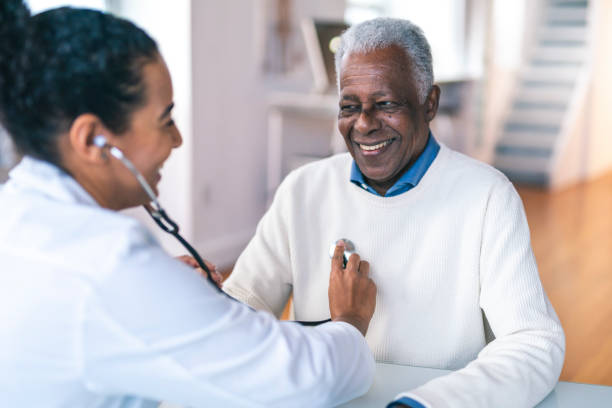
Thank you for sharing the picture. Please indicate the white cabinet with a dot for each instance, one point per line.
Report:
(301, 128)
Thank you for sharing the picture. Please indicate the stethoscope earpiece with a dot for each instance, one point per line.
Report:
(100, 141)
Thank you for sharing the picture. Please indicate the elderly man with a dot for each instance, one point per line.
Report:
(446, 237)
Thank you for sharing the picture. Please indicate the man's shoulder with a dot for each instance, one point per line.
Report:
(460, 167)
(336, 167)
(337, 162)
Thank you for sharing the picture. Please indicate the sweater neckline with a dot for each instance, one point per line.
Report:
(414, 193)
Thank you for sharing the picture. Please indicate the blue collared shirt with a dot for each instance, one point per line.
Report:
(405, 402)
(410, 178)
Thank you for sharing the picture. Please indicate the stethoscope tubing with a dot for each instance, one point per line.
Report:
(166, 223)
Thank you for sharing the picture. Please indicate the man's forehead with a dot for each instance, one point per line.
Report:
(386, 62)
(377, 69)
(391, 55)
(369, 82)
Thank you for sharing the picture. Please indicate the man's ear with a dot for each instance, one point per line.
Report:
(431, 103)
(82, 132)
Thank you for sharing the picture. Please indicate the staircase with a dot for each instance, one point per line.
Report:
(533, 131)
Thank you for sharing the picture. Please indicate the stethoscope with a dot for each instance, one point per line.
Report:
(166, 223)
(155, 209)
(349, 249)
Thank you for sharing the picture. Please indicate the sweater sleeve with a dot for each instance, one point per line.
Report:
(522, 364)
(262, 275)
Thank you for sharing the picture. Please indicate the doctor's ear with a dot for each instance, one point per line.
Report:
(81, 138)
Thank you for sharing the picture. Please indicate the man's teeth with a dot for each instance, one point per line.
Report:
(375, 147)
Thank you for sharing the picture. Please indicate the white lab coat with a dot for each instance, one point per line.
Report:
(93, 313)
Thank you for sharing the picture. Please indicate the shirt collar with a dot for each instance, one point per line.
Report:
(42, 177)
(410, 178)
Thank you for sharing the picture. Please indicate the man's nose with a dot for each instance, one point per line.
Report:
(367, 121)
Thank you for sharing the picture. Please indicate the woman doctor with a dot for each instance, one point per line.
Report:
(92, 311)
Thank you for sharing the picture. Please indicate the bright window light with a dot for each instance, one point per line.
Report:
(443, 22)
(37, 6)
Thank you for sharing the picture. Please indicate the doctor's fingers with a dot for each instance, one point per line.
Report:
(364, 268)
(190, 261)
(211, 267)
(215, 275)
(353, 263)
(338, 257)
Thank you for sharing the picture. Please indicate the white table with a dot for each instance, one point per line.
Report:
(392, 379)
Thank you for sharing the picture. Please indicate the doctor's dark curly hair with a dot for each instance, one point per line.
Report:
(57, 65)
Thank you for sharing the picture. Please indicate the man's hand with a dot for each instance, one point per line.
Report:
(214, 274)
(352, 294)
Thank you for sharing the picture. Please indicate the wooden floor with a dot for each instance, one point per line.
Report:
(571, 234)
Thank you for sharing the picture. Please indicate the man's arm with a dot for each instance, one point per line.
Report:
(262, 275)
(522, 365)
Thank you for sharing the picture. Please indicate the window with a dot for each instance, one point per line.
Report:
(443, 22)
(37, 6)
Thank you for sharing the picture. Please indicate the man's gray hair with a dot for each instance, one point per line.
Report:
(384, 32)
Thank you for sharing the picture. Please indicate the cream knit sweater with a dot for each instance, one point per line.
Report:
(443, 255)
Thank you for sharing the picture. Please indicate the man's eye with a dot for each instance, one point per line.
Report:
(170, 123)
(349, 108)
(386, 104)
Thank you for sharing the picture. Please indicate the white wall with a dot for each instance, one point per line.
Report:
(588, 152)
(169, 24)
(230, 91)
(229, 127)
(507, 21)
(600, 103)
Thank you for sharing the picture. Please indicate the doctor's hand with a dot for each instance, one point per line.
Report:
(352, 294)
(214, 274)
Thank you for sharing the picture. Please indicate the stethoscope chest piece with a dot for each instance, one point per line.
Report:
(349, 249)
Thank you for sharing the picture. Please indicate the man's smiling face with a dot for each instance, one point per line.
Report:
(383, 124)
